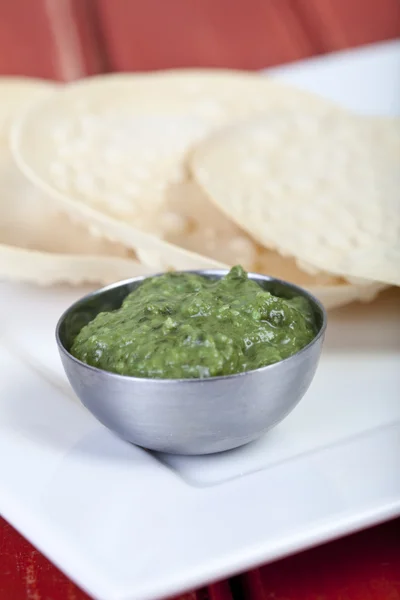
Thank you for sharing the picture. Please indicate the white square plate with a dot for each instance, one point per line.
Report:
(126, 524)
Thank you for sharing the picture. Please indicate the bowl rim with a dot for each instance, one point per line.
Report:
(190, 381)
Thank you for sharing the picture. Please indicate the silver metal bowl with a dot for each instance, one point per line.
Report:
(189, 416)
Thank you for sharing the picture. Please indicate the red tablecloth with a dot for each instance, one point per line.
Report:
(365, 566)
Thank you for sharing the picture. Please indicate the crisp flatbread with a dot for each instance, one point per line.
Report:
(321, 187)
(191, 221)
(168, 222)
(37, 242)
(107, 147)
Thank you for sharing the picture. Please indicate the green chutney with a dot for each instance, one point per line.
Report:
(188, 326)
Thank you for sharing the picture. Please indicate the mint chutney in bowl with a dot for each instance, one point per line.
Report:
(192, 362)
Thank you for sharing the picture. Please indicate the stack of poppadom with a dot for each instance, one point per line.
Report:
(119, 175)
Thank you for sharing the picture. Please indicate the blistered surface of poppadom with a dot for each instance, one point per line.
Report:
(105, 102)
(321, 187)
(210, 232)
(37, 243)
(107, 147)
